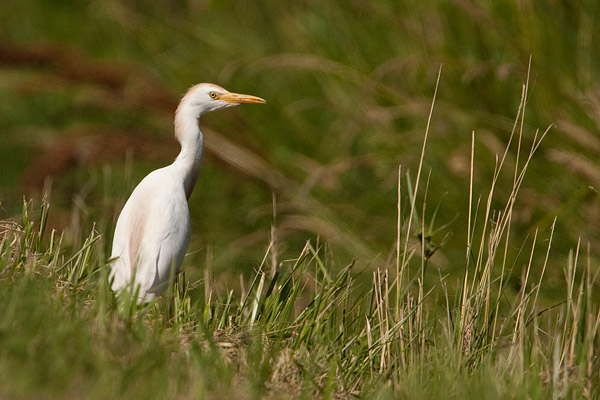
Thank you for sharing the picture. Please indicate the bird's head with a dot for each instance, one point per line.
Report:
(206, 97)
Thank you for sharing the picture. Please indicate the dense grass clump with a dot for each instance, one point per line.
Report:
(90, 106)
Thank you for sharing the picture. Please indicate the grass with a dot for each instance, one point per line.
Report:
(335, 252)
(302, 327)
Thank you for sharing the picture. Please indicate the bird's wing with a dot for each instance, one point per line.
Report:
(152, 234)
(164, 240)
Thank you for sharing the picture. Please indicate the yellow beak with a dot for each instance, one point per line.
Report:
(236, 98)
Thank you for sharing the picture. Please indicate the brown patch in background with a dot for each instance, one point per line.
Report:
(142, 87)
(82, 147)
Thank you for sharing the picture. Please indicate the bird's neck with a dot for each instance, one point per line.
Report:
(187, 132)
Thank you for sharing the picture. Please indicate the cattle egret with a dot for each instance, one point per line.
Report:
(153, 229)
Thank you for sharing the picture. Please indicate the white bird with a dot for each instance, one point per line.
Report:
(153, 229)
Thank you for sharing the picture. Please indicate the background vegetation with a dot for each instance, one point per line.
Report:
(87, 93)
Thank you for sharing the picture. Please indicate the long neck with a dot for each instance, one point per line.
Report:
(187, 132)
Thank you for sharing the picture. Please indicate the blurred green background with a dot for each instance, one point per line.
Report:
(88, 89)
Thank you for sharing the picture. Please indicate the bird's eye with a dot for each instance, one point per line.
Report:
(213, 95)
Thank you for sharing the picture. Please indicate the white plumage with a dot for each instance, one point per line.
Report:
(153, 229)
